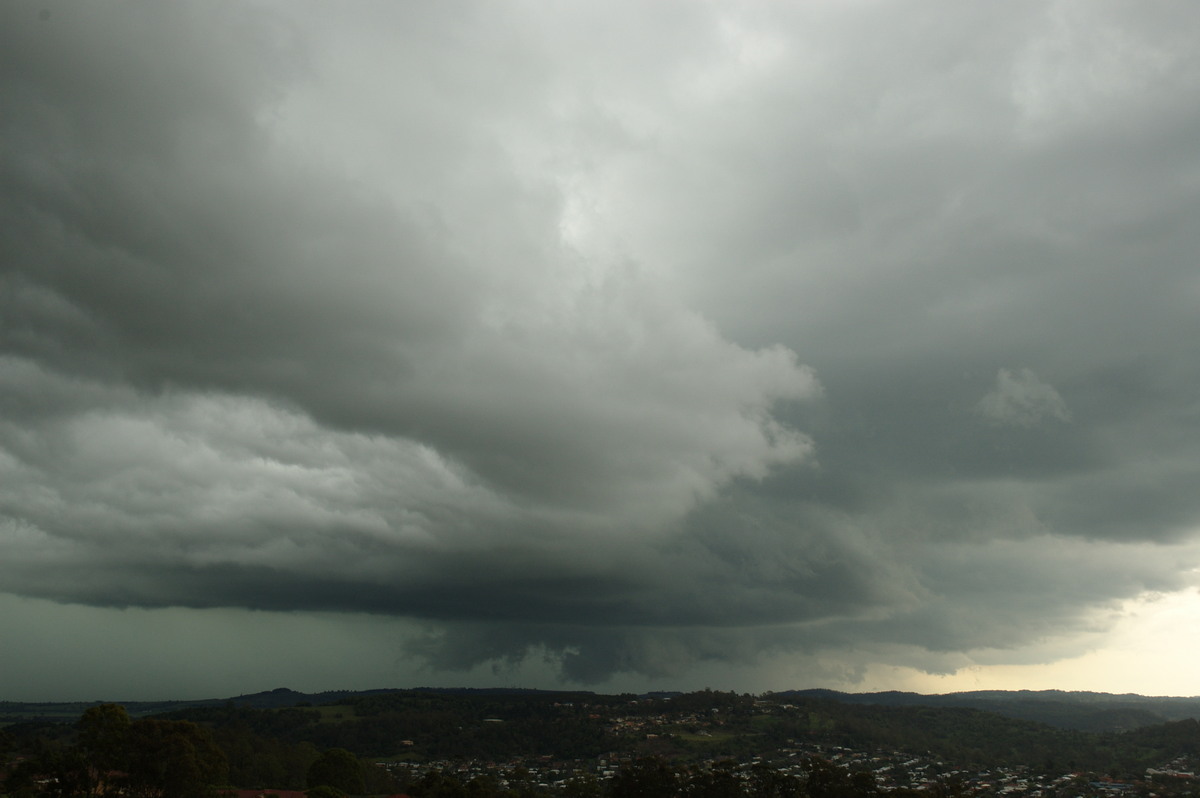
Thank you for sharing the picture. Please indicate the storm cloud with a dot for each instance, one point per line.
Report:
(635, 337)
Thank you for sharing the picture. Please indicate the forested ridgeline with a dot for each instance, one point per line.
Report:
(435, 726)
(1083, 711)
(252, 747)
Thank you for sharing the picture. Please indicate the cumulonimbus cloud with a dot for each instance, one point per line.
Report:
(642, 342)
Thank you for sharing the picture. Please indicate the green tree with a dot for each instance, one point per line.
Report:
(827, 780)
(103, 734)
(483, 786)
(337, 768)
(649, 777)
(438, 784)
(53, 771)
(6, 745)
(767, 782)
(720, 781)
(102, 743)
(173, 758)
(582, 786)
(325, 791)
(520, 783)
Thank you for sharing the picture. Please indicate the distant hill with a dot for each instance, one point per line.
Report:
(1084, 711)
(69, 711)
(425, 725)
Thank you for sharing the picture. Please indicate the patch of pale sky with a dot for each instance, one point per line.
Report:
(1152, 650)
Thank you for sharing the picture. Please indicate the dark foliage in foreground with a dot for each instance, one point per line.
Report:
(145, 758)
(669, 744)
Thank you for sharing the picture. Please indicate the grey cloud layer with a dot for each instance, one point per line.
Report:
(496, 319)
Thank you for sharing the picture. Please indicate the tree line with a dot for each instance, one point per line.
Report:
(205, 747)
(111, 754)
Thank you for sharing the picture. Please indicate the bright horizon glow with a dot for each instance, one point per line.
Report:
(1150, 652)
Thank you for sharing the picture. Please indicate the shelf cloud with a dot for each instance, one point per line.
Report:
(629, 341)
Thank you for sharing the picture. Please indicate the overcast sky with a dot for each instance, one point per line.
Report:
(615, 345)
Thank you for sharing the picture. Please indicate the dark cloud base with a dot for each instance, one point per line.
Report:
(636, 343)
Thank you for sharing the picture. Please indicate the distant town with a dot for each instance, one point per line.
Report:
(543, 744)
